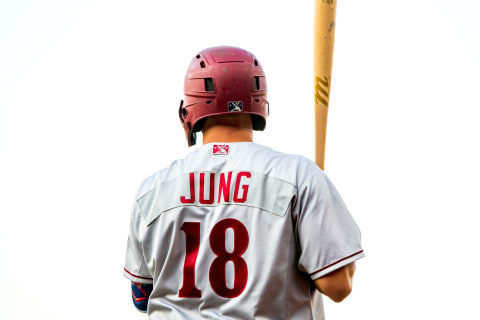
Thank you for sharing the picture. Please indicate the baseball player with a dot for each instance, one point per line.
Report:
(237, 230)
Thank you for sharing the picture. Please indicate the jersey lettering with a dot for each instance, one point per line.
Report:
(192, 234)
(192, 191)
(202, 188)
(217, 269)
(222, 188)
(217, 274)
(244, 187)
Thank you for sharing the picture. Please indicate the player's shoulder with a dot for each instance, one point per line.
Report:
(176, 168)
(291, 167)
(152, 181)
(254, 157)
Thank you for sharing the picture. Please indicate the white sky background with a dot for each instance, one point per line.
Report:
(89, 93)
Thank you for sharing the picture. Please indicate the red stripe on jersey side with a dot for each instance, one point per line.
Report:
(136, 275)
(330, 265)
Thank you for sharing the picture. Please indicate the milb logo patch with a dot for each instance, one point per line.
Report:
(235, 106)
(221, 148)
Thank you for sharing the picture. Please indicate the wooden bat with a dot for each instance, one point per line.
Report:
(324, 39)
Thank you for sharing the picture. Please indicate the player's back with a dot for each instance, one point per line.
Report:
(219, 236)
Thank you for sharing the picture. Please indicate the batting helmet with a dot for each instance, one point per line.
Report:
(223, 80)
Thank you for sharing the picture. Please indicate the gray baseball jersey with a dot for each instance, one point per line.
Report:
(238, 231)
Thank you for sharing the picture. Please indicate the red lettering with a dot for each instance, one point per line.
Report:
(241, 174)
(192, 241)
(192, 191)
(202, 188)
(224, 187)
(216, 274)
(217, 268)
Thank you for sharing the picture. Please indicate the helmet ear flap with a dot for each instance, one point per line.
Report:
(193, 139)
(182, 112)
(189, 135)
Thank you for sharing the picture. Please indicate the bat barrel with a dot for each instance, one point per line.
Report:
(324, 40)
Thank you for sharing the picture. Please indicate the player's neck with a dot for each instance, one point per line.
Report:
(225, 133)
(228, 128)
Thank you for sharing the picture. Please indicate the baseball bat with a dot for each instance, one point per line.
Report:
(324, 40)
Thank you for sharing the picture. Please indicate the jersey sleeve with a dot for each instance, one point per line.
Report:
(328, 237)
(135, 266)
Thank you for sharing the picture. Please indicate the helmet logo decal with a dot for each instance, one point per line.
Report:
(235, 106)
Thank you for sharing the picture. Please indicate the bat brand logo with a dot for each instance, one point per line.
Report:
(321, 90)
(221, 148)
(235, 106)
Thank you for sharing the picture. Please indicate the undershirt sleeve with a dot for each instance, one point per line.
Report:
(328, 237)
(135, 266)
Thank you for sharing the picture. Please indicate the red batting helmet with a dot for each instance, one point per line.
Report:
(223, 80)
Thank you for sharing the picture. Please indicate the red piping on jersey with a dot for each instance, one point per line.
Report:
(336, 262)
(136, 275)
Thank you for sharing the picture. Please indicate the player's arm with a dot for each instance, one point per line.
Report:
(140, 295)
(337, 285)
(136, 269)
(329, 240)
